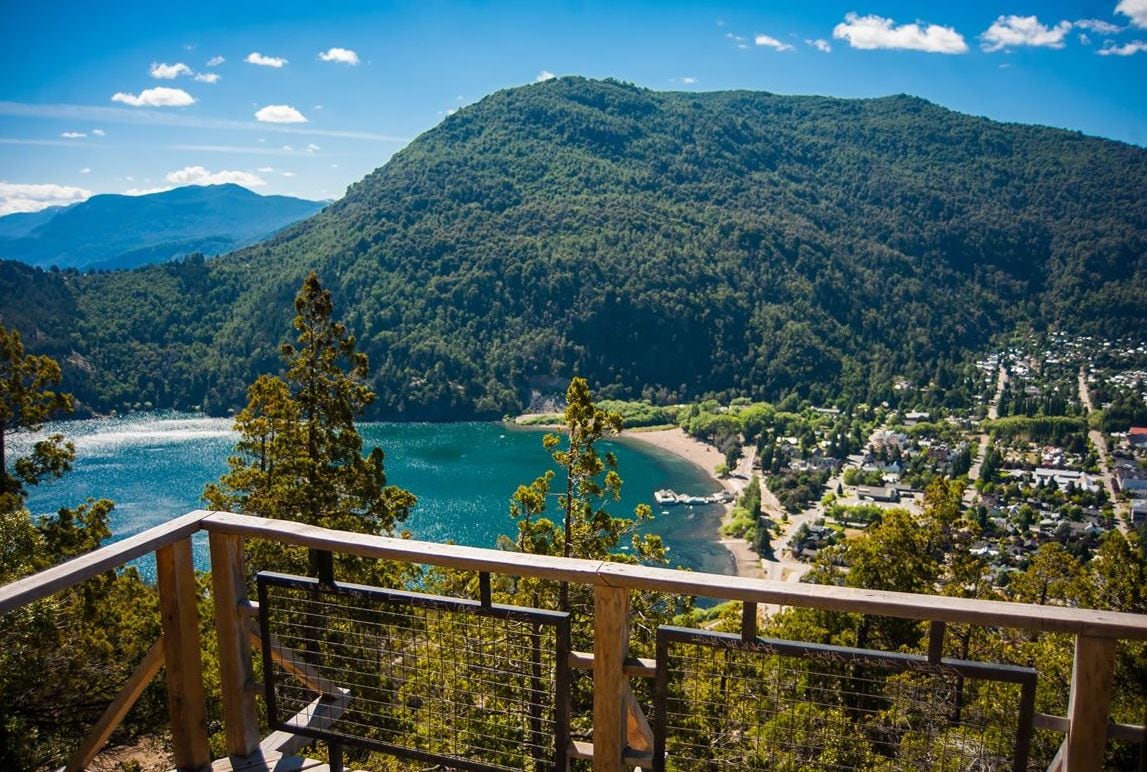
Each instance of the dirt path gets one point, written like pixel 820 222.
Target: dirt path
pixel 747 560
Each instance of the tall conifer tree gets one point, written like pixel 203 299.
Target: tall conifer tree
pixel 587 529
pixel 300 455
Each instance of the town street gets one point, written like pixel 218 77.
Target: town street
pixel 993 414
pixel 1100 444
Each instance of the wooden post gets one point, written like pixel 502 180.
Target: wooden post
pixel 1090 702
pixel 238 677
pixel 610 647
pixel 180 619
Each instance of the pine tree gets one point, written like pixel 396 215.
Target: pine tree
pixel 587 530
pixel 26 402
pixel 300 455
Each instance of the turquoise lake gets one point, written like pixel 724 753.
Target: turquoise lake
pixel 155 466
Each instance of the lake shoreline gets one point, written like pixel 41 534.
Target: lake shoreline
pixel 706 458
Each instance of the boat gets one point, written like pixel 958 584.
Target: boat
pixel 666 497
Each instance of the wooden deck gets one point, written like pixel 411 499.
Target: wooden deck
pixel 270 762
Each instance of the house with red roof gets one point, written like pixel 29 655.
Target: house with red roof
pixel 1137 437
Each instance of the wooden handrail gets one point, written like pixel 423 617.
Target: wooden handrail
pixel 76 570
pixel 987 613
pixel 940 608
pixel 1089 622
pixel 406 550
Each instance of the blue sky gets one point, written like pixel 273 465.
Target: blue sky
pixel 304 98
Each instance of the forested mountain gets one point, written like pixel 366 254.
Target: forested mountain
pixel 112 231
pixel 671 244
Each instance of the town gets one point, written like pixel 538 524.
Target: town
pixel 1052 449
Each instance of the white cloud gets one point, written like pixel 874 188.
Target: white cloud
pixel 1084 39
pixel 265 61
pixel 771 42
pixel 236 149
pixel 1136 10
pixel 740 41
pixel 312 147
pixel 265 169
pixel 17 197
pixel 287 174
pixel 86 170
pixel 99 133
pixel 875 32
pixel 73 135
pixel 544 75
pixel 208 77
pixel 1127 49
pixel 197 175
pixel 1099 25
pixel 38 142
pixel 161 71
pixel 215 61
pixel 820 44
pixel 688 81
pixel 93 113
pixel 1013 31
pixel 156 97
pixel 340 55
pixel 145 191
pixel 280 114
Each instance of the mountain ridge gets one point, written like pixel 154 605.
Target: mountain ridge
pixel 664 244
pixel 112 231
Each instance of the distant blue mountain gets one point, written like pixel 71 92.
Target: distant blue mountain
pixel 113 231
pixel 21 224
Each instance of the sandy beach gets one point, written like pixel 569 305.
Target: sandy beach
pixel 706 457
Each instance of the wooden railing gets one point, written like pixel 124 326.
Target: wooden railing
pixel 1087 725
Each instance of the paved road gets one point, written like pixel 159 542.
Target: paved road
pixel 993 414
pixel 783 567
pixel 1100 443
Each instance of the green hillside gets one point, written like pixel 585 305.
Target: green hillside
pixel 666 244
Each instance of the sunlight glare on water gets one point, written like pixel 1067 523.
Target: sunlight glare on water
pixel 154 466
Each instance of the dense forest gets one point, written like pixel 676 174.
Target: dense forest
pixel 663 245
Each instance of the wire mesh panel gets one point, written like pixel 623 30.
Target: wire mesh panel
pixel 443 680
pixel 727 703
